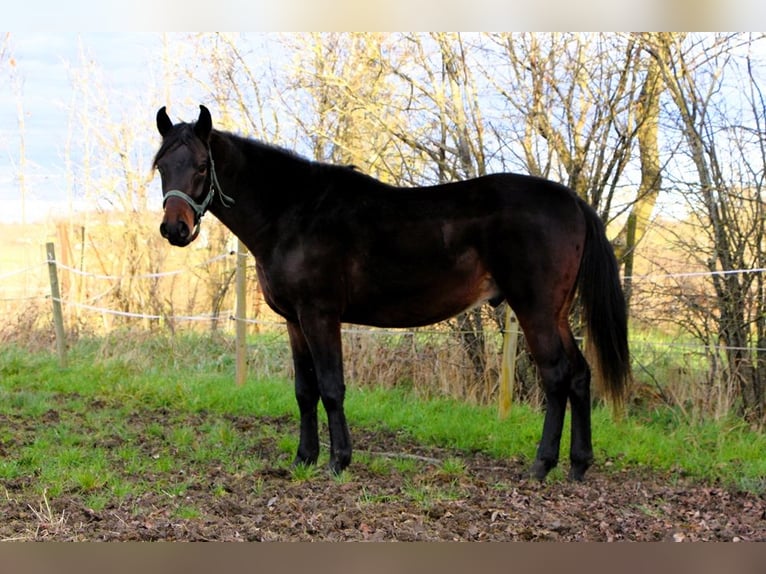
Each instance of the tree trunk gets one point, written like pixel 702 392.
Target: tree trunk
pixel 648 117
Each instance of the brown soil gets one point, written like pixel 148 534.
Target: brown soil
pixel 420 500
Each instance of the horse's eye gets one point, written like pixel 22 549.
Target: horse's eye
pixel 202 168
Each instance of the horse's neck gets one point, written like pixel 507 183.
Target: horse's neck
pixel 244 176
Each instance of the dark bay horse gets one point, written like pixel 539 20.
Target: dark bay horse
pixel 333 245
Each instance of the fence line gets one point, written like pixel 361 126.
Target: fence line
pixel 20 271
pixel 693 347
pixel 507 378
pixel 653 276
pixel 360 330
pixel 136 315
pixel 648 276
pixel 41 295
pixel 347 330
pixel 140 276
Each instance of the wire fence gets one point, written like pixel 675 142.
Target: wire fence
pixel 436 355
pixel 230 315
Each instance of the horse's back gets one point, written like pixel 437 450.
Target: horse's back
pixel 421 255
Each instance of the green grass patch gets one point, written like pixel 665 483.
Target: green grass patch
pixel 73 429
pixel 304 472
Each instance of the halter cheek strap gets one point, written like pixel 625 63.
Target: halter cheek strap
pixel 201 208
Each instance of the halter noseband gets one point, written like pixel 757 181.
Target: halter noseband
pixel 201 208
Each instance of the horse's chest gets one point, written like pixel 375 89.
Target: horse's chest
pixel 274 292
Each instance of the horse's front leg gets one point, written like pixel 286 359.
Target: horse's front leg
pixel 322 335
pixel 307 395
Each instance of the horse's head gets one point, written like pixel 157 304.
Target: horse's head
pixel 188 176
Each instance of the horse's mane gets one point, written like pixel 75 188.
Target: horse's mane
pixel 286 161
pixel 252 153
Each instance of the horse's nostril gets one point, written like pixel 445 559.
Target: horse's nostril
pixel 164 230
pixel 183 230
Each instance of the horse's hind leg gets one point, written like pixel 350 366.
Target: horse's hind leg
pixel 581 450
pixel 553 364
pixel 565 376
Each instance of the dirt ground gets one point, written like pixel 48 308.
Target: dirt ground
pixel 418 500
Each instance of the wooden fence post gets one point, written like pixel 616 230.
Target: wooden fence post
pixel 58 316
pixel 508 367
pixel 241 315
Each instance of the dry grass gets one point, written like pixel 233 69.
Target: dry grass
pixel 45 524
pixel 431 362
pixel 49 524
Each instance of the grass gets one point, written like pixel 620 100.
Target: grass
pixel 84 440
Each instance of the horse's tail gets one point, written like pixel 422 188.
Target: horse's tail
pixel 605 311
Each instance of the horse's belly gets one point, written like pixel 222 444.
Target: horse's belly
pixel 429 304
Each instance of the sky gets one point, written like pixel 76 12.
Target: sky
pixel 125 58
pixel 43 80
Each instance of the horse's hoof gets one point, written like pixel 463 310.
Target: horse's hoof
pixel 576 475
pixel 577 471
pixel 338 465
pixel 304 461
pixel 540 469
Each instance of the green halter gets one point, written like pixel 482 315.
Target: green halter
pixel 201 208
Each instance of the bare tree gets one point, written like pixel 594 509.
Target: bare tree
pixel 17 86
pixel 725 196
pixel 449 132
pixel 639 218
pixel 108 161
pixel 340 94
pixel 574 97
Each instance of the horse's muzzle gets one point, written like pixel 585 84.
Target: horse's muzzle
pixel 178 233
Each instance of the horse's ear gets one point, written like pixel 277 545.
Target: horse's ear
pixel 164 124
pixel 204 124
